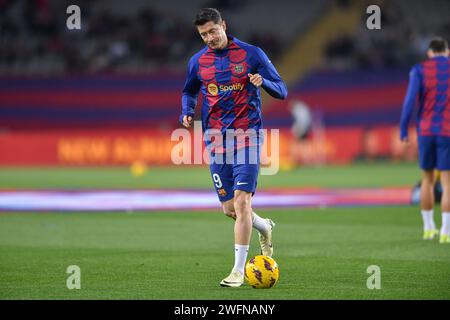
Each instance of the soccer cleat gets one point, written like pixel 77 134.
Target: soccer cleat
pixel 430 234
pixel 235 279
pixel 444 238
pixel 266 241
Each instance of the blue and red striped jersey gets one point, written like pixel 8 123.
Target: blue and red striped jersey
pixel 229 100
pixel 429 86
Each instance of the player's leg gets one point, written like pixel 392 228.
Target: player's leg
pixel 427 161
pixel 222 176
pixel 427 198
pixel 265 237
pixel 243 225
pixel 426 204
pixel 228 208
pixel 443 164
pixel 246 179
pixel 262 225
pixel 445 207
pixel 242 236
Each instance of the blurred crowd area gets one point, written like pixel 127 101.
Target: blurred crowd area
pixel 34 38
pixel 407 26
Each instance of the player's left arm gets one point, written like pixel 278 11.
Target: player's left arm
pixel 268 77
pixel 409 102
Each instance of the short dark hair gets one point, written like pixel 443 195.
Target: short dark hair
pixel 207 14
pixel 438 45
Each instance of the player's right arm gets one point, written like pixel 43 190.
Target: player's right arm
pixel 190 93
pixel 409 102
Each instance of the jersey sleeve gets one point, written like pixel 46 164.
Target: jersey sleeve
pixel 409 102
pixel 190 91
pixel 272 82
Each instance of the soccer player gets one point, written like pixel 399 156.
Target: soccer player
pixel 230 73
pixel 429 83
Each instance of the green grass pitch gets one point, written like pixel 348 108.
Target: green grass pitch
pixel 322 253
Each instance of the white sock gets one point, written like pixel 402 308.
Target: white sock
pixel 445 229
pixel 428 220
pixel 260 224
pixel 240 257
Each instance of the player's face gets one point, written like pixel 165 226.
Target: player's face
pixel 213 34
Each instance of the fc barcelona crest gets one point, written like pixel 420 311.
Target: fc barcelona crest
pixel 238 68
pixel 222 192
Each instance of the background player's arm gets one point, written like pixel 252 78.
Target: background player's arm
pixel 190 94
pixel 271 80
pixel 409 103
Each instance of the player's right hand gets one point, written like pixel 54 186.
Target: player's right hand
pixel 187 121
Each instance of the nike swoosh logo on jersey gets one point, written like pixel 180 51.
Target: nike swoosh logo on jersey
pixel 241 183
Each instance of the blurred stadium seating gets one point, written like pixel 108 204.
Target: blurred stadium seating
pixel 133 36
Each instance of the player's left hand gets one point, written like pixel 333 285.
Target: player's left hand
pixel 255 79
pixel 405 141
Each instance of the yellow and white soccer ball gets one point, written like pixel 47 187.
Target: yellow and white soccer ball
pixel 262 272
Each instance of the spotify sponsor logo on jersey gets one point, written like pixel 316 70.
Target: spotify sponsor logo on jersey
pixel 213 89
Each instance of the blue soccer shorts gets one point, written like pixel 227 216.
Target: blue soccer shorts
pixel 235 173
pixel 434 152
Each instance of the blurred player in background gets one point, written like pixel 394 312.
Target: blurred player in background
pixel 229 74
pixel 302 125
pixel 429 82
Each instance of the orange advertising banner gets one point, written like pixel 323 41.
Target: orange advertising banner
pixel 165 147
